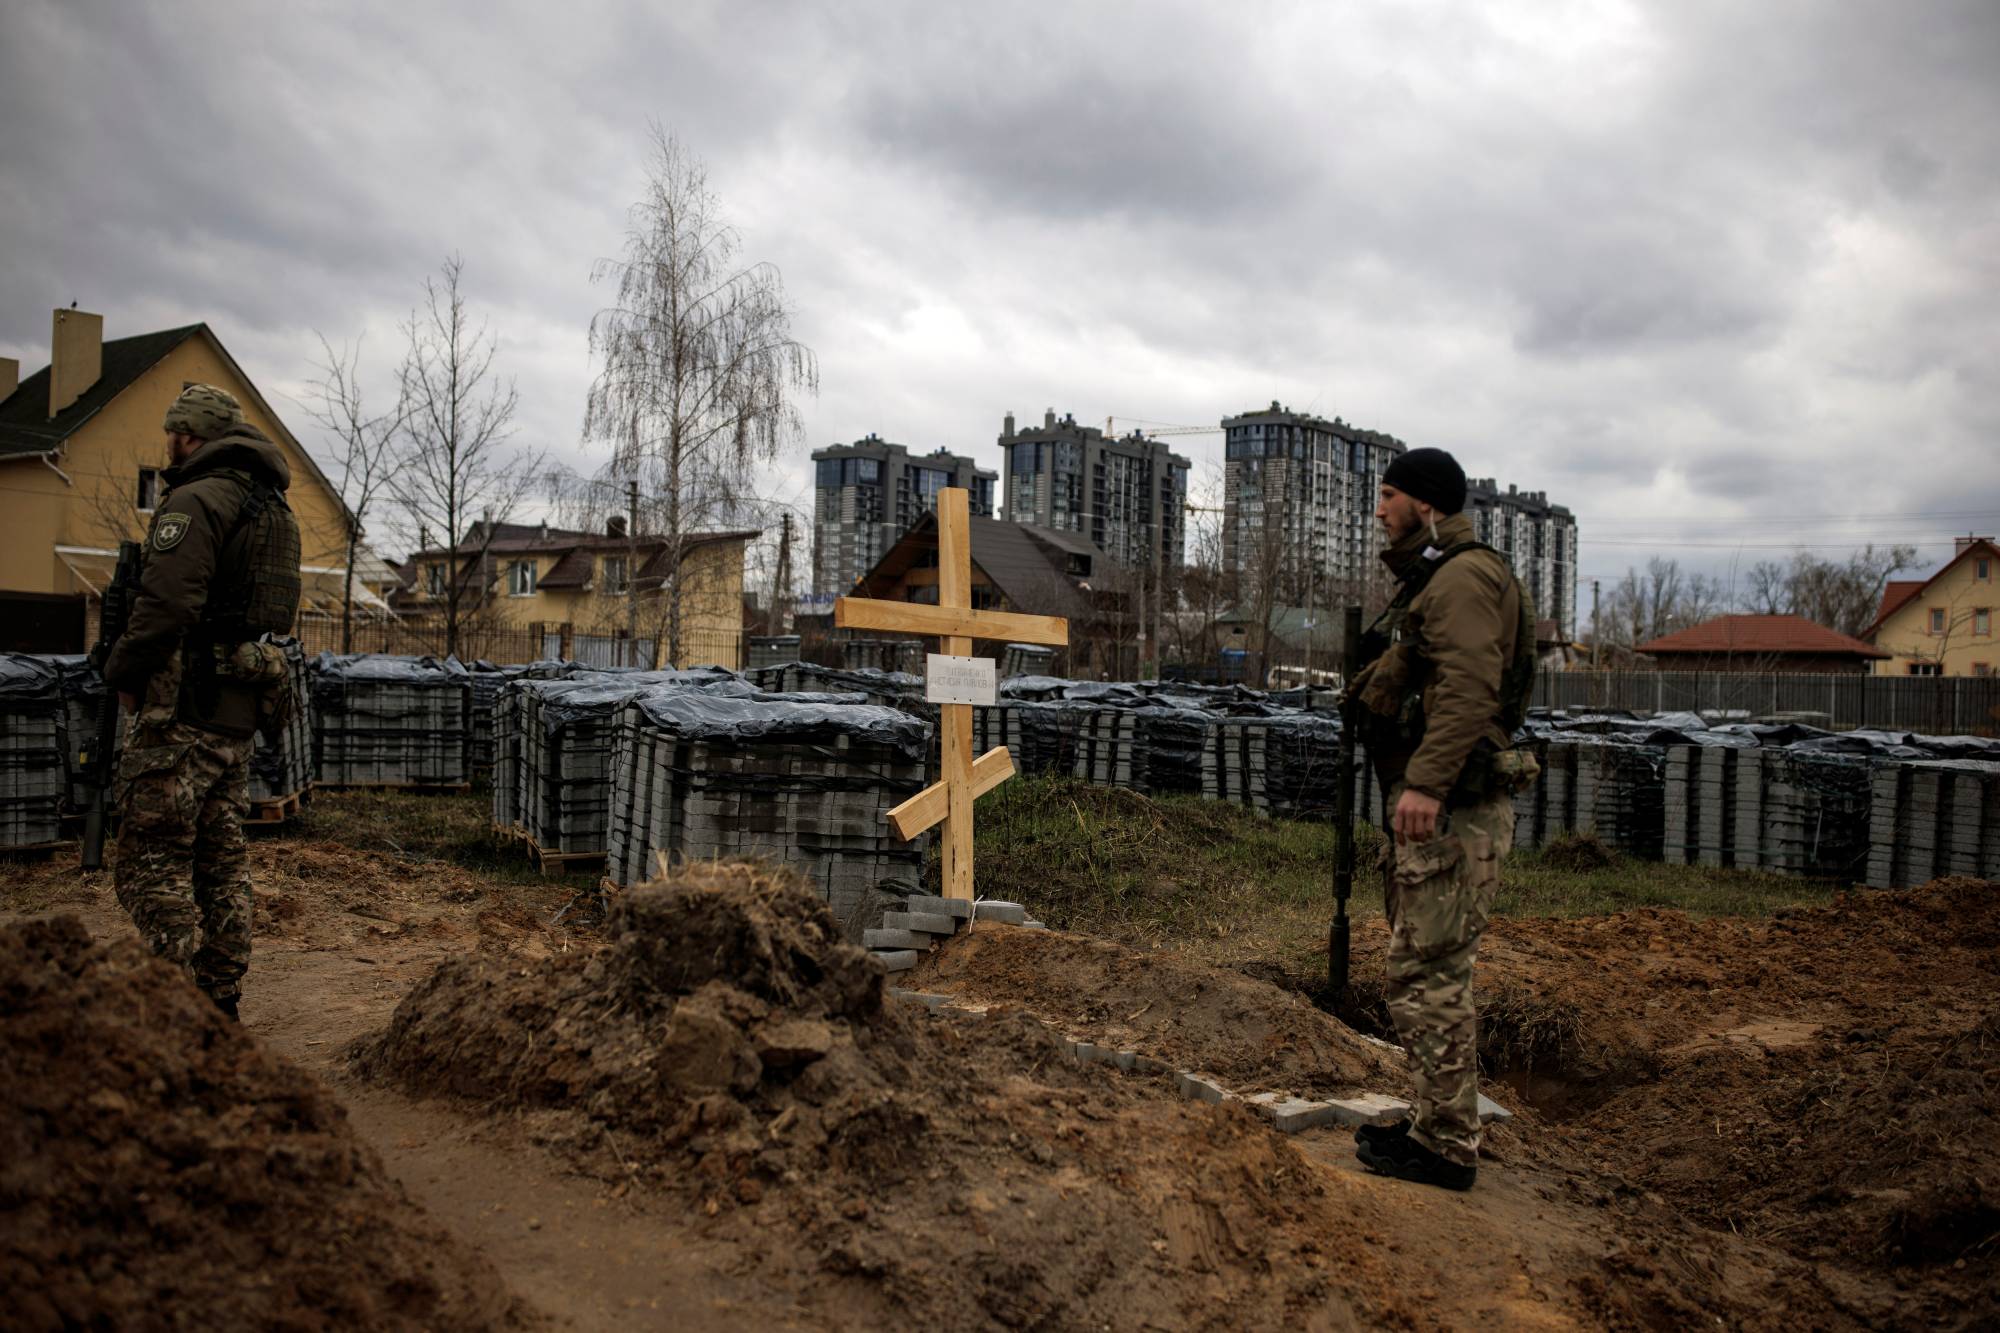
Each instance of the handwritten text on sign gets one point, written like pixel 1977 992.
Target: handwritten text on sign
pixel 959 680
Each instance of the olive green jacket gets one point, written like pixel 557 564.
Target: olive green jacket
pixel 1460 631
pixel 184 548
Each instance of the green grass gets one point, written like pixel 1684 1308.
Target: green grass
pixel 423 826
pixel 1227 882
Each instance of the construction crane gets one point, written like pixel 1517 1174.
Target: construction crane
pixel 1111 430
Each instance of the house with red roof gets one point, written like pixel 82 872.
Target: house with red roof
pixel 1942 625
pixel 1762 643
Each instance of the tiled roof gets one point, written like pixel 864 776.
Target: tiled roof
pixel 25 424
pixel 1911 589
pixel 1759 634
pixel 1896 596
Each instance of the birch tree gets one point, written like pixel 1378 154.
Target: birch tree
pixel 457 419
pixel 363 453
pixel 698 370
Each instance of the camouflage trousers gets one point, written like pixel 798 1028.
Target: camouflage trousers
pixel 1438 895
pixel 183 871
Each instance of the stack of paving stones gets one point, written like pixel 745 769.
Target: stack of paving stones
pixel 283 765
pixel 1279 764
pixel 1026 659
pixel 803 781
pixel 893 655
pixel 554 742
pixel 487 682
pixel 1934 817
pixel 890 689
pixel 772 650
pixel 919 922
pixel 34 737
pixel 387 721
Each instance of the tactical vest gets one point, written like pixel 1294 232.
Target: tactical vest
pixel 1517 677
pixel 257 587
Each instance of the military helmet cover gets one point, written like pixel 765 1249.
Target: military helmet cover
pixel 205 411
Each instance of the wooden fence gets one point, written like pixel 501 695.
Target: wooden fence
pixel 1933 705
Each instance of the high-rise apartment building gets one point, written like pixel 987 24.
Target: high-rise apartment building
pixel 1538 538
pixel 1299 510
pixel 1127 495
pixel 866 494
pixel 1298 501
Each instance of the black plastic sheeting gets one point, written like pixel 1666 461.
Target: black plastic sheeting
pixel 726 715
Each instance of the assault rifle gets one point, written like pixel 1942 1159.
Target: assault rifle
pixel 1343 812
pixel 99 759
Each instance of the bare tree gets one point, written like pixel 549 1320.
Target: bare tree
pixel 699 368
pixel 363 450
pixel 457 418
pixel 1764 589
pixel 1844 595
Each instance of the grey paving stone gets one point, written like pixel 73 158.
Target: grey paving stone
pixel 1368 1109
pixel 1012 914
pixel 1033 925
pixel 1490 1110
pixel 958 909
pixel 1199 1089
pixel 928 999
pixel 894 939
pixel 895 960
pixel 931 923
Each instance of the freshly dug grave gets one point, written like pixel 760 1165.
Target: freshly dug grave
pixel 1254 1036
pixel 1827 1080
pixel 158 1167
pixel 728 1048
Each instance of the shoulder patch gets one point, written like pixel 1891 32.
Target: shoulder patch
pixel 168 531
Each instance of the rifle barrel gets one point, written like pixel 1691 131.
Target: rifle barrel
pixel 1338 935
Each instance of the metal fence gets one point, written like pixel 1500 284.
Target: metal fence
pixel 1935 705
pixel 505 645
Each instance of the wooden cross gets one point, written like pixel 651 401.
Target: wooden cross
pixel 955 624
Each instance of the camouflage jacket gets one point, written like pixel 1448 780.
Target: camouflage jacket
pixel 192 525
pixel 1447 652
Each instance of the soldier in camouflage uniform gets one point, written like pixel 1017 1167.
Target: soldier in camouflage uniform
pixel 1451 666
pixel 221 568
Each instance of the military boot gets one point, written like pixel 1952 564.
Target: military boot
pixel 1382 1133
pixel 1406 1159
pixel 227 1004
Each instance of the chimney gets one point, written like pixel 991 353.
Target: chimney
pixel 10 377
pixel 1962 544
pixel 1049 419
pixel 76 357
pixel 615 526
pixel 1007 427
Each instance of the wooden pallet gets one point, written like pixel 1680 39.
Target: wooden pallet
pixel 34 848
pixel 277 809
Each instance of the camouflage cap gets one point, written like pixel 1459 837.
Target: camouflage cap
pixel 204 411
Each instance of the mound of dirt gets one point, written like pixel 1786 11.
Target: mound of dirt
pixel 727 1046
pixel 1827 1080
pixel 1248 1032
pixel 157 1167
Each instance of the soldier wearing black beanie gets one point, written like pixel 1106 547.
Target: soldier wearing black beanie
pixel 1430 475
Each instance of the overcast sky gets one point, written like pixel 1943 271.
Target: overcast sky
pixel 1719 277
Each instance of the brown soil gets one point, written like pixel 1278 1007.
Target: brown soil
pixel 1251 1035
pixel 707 1117
pixel 158 1165
pixel 1827 1080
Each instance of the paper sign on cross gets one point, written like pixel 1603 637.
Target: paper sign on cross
pixel 955 624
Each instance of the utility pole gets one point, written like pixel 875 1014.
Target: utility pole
pixel 1596 632
pixel 781 578
pixel 632 567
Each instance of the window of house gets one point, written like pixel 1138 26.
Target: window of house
pixel 1937 620
pixel 521 578
pixel 149 489
pixel 1926 669
pixel 1982 668
pixel 434 580
pixel 1982 568
pixel 614 574
pixel 1982 621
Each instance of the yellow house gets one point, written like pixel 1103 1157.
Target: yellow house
pixel 81 452
pixel 591 597
pixel 1943 625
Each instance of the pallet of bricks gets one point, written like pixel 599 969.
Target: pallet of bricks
pixel 1610 787
pixel 1934 817
pixel 704 773
pixel 34 737
pixel 387 721
pixel 553 747
pixel 281 762
pixel 1790 809
pixel 488 679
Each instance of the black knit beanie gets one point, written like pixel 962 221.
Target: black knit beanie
pixel 1430 475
